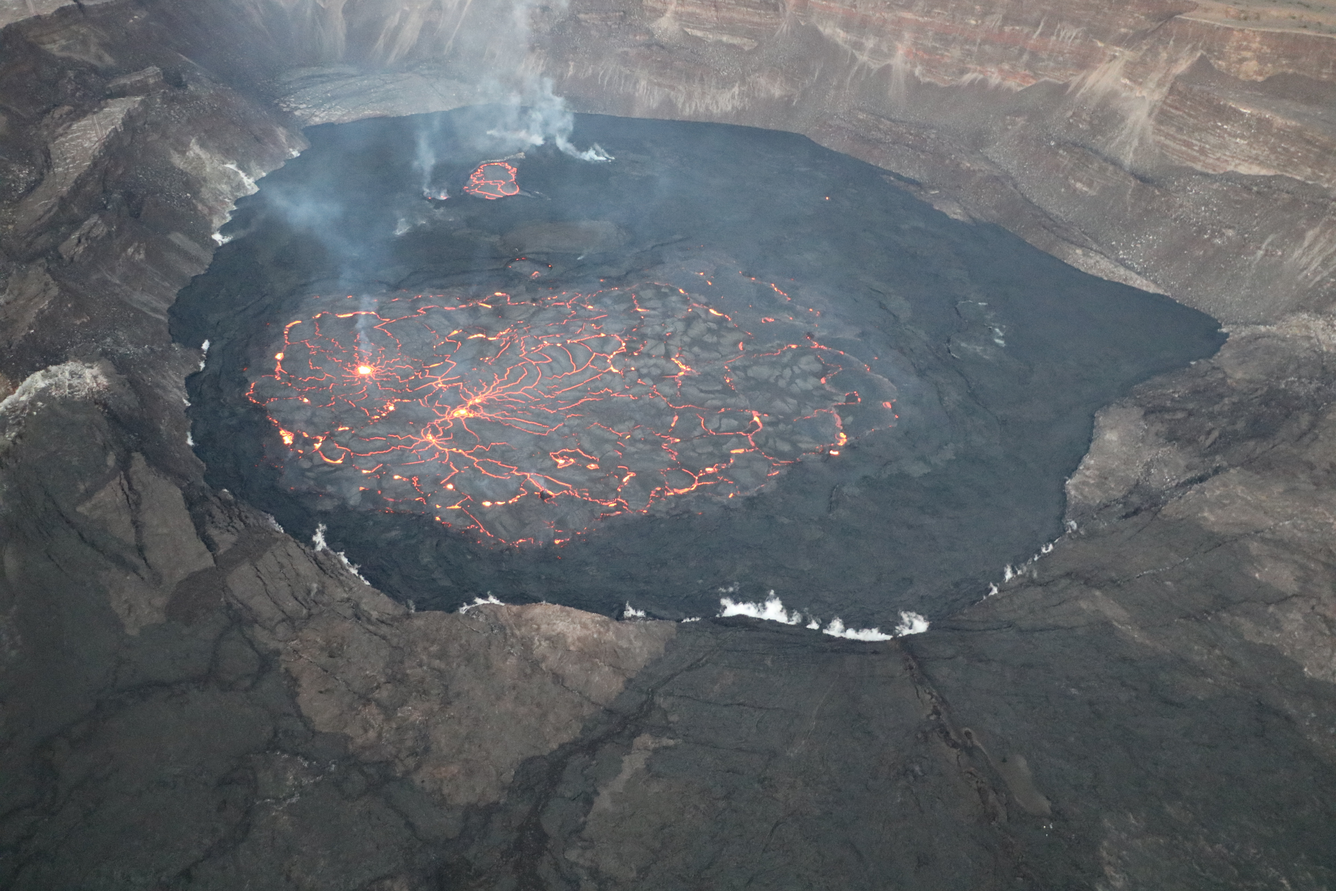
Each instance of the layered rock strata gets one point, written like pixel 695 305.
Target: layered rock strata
pixel 1169 144
pixel 1140 143
pixel 193 699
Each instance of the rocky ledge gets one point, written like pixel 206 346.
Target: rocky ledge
pixel 191 698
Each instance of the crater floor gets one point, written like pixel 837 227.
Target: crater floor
pixel 725 361
pixel 192 698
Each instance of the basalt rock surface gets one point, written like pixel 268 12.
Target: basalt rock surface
pixel 191 698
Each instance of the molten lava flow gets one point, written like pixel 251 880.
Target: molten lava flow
pixel 529 419
pixel 492 180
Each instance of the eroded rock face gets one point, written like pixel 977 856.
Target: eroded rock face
pixel 191 698
pixel 1166 144
pixel 1163 143
pixel 1123 140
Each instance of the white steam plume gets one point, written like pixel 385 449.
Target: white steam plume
pixel 530 113
pixel 773 611
pixel 539 115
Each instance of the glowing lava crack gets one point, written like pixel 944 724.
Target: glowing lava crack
pixel 493 180
pixel 530 419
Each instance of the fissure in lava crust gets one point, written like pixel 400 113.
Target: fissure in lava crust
pixel 493 180
pixel 528 419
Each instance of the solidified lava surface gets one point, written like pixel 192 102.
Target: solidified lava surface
pixel 492 180
pixel 526 420
pixel 727 362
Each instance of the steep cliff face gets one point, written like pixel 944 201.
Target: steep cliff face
pixel 1179 146
pixel 191 698
pixel 1134 141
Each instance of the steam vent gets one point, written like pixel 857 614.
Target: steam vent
pixel 475 444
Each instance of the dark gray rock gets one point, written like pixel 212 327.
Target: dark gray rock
pixel 750 756
pixel 582 237
pixel 1148 705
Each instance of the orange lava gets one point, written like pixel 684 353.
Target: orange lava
pixel 493 180
pixel 529 419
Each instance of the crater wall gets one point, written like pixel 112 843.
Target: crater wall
pixel 1182 147
pixel 192 698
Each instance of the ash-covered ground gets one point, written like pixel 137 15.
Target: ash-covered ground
pixel 891 427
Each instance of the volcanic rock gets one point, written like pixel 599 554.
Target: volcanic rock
pixel 580 237
pixel 191 698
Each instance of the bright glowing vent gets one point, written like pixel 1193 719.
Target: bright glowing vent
pixel 527 419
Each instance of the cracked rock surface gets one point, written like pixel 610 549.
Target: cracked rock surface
pixel 190 698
